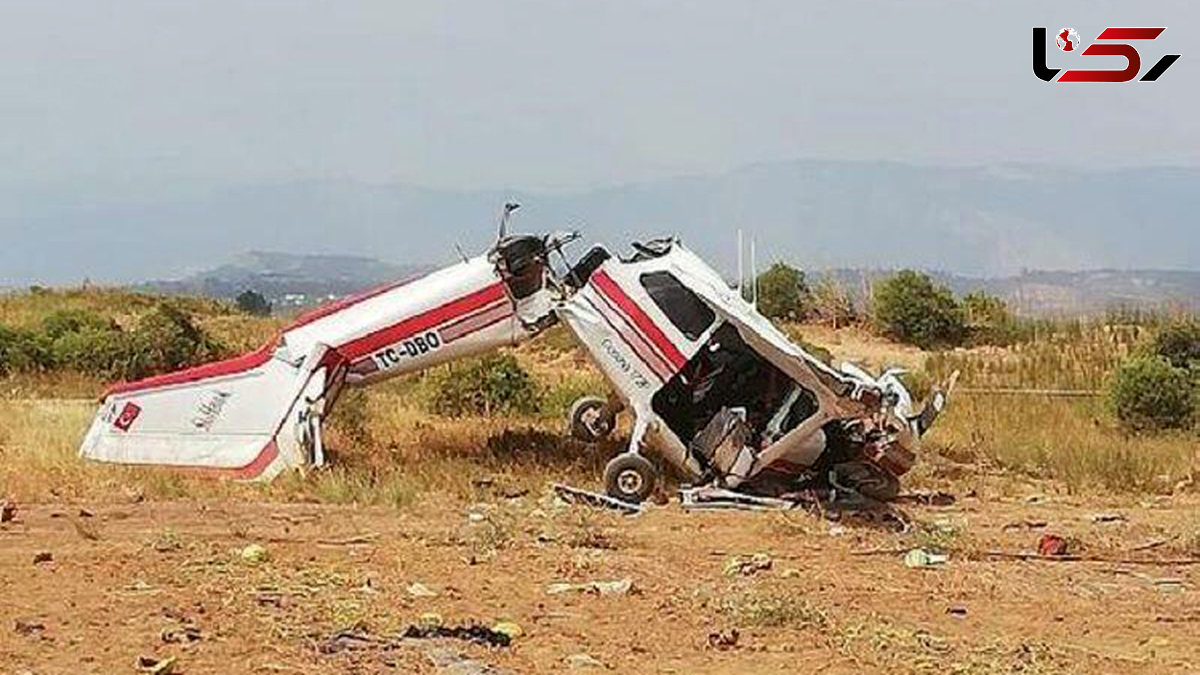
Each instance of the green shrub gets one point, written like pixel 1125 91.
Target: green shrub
pixel 102 352
pixel 1179 343
pixel 493 384
pixel 909 307
pixel 1147 393
pixel 67 321
pixel 22 350
pixel 783 292
pixel 987 319
pixel 167 339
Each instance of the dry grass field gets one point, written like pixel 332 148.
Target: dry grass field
pixel 421 513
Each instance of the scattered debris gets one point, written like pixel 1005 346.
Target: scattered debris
pixel 255 554
pixel 927 498
pixel 8 511
pixel 1025 523
pixel 181 634
pixel 28 627
pixel 919 558
pixel 747 566
pixel 452 663
pixel 167 541
pixel 1052 545
pixel 430 620
pixel 619 587
pixel 1153 543
pixel 1107 518
pixel 42 557
pixel 471 632
pixel 573 495
pixel 353 639
pixel 89 531
pixel 267 598
pixel 85 513
pixel 155 666
pixel 419 590
pixel 510 628
pixel 712 498
pixel 356 540
pixel 957 610
pixel 723 640
pixel 582 660
pixel 1161 584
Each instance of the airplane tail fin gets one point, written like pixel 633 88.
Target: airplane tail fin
pixel 247 418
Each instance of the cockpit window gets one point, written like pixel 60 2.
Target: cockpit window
pixel 691 315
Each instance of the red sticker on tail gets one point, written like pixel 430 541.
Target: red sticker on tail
pixel 128 414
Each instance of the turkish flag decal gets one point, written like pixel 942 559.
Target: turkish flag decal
pixel 128 414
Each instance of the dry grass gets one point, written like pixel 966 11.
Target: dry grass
pixel 389 450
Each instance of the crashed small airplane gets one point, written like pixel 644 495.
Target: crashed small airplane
pixel 716 389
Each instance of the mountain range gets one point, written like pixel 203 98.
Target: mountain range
pixel 291 281
pixel 971 221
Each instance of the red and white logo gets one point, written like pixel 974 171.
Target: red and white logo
pixel 128 415
pixel 1068 40
pixel 1112 41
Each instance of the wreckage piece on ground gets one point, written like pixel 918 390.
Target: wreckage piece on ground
pixel 712 385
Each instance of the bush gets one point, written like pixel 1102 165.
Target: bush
pixel 483 386
pixel 67 321
pixel 253 303
pixel 783 292
pixel 105 353
pixel 1179 343
pixel 1147 393
pixel 909 307
pixel 987 319
pixel 22 350
pixel 166 339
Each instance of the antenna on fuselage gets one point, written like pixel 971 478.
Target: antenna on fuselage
pixel 509 207
pixel 741 272
pixel 753 275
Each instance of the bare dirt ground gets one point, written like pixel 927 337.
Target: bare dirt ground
pixel 168 580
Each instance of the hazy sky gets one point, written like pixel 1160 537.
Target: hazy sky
pixel 129 95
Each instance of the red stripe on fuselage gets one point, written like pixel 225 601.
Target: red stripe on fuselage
pixel 630 336
pixel 406 328
pixel 613 291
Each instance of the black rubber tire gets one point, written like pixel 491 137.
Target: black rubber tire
pixel 591 430
pixel 869 480
pixel 630 478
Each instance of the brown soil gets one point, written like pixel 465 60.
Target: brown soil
pixel 125 581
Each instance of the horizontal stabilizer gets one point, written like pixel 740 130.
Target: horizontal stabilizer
pixel 247 418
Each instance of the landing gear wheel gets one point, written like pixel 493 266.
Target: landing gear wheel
pixel 630 478
pixel 869 480
pixel 590 419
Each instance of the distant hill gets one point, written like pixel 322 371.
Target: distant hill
pixel 970 221
pixel 292 281
pixel 286 279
